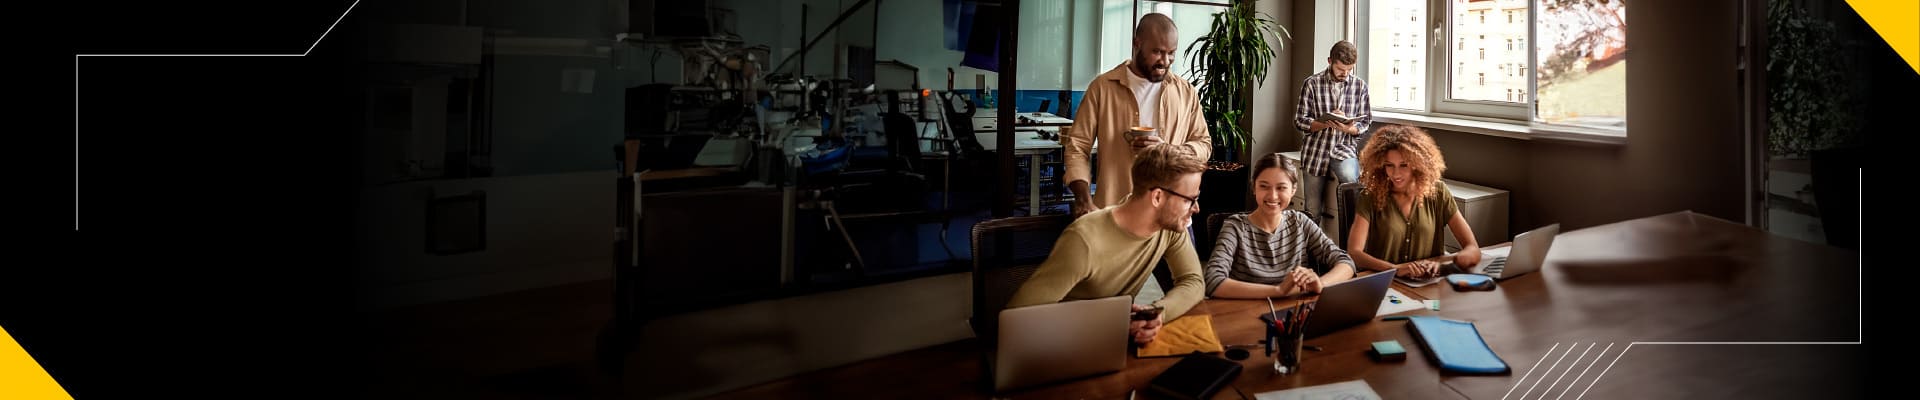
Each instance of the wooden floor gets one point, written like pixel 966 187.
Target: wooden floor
pixel 531 344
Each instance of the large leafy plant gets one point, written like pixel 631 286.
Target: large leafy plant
pixel 1808 104
pixel 1233 55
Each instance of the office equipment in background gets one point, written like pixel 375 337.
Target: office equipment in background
pixel 1348 303
pixel 1196 376
pixel 1455 346
pixel 1052 342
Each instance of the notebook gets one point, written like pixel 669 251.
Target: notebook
pixel 1455 345
pixel 1187 334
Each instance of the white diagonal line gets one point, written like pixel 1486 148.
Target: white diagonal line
pixel 1543 374
pixel 1583 372
pixel 76 94
pixel 1523 377
pixel 1603 372
pixel 1860 333
pixel 1563 374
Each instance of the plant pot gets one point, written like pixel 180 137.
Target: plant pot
pixel 1836 185
pixel 1224 185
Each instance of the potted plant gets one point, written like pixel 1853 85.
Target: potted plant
pixel 1231 58
pixel 1812 125
pixel 1808 105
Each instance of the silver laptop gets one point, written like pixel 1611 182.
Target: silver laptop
pixel 1053 342
pixel 1347 303
pixel 1528 252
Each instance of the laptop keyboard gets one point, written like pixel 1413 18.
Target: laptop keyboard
pixel 1496 265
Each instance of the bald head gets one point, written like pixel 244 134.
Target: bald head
pixel 1153 24
pixel 1155 41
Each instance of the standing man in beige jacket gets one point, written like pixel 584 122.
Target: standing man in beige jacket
pixel 1140 92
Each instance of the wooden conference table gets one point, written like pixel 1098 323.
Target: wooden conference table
pixel 1709 308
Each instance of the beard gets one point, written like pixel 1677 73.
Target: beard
pixel 1153 72
pixel 1172 220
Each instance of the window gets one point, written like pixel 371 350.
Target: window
pixel 1574 74
pixel 1392 20
pixel 1117 18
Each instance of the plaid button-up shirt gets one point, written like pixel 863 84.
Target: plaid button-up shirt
pixel 1320 94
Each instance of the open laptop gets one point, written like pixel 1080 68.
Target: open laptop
pixel 1348 303
pixel 1528 252
pixel 1065 340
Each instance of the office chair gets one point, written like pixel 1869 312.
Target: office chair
pixel 1349 194
pixel 1006 252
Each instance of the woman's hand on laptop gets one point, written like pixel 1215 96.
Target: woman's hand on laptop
pixel 1421 269
pixel 1143 332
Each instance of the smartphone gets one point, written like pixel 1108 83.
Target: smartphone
pixel 1148 314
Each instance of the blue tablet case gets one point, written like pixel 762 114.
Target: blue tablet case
pixel 1456 346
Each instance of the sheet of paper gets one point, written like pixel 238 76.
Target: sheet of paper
pixel 1389 306
pixel 1349 390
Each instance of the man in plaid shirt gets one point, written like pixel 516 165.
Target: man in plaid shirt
pixel 1330 145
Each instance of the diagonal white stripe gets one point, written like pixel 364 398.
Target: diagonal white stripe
pixel 76 94
pixel 1583 372
pixel 1543 374
pixel 1603 373
pixel 1523 377
pixel 1563 374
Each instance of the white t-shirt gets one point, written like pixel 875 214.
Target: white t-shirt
pixel 1147 94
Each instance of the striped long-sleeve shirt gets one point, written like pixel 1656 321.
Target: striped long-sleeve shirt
pixel 1319 94
pixel 1247 253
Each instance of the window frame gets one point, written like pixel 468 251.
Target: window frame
pixel 1440 102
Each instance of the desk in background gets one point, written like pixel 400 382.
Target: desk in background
pixel 1028 142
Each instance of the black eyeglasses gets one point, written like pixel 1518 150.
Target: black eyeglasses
pixel 1195 200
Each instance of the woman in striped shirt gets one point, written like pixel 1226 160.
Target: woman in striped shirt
pixel 1273 251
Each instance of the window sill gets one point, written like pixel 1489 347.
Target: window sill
pixel 1505 129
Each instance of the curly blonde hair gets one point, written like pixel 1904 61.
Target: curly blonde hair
pixel 1421 153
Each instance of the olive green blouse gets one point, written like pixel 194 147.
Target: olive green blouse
pixel 1397 238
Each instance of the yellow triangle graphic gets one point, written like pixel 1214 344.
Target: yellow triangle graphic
pixel 21 377
pixel 1897 22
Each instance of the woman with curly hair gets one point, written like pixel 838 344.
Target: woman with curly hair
pixel 1404 206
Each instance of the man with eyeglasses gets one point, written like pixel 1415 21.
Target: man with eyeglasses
pixel 1112 251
